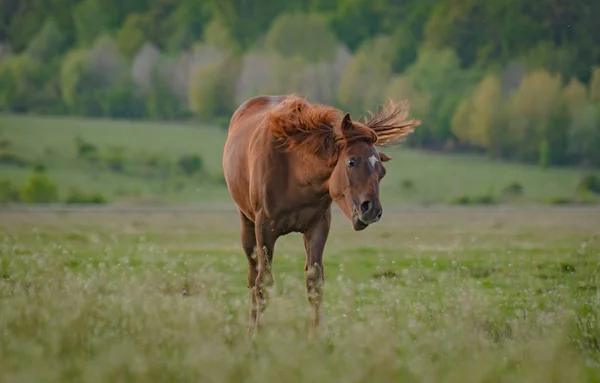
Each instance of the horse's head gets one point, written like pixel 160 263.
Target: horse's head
pixel 346 148
pixel 354 183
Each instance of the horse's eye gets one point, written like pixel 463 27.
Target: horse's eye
pixel 351 162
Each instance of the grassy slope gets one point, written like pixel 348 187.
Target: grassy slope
pixel 481 296
pixel 437 178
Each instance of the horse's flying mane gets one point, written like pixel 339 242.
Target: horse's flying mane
pixel 390 123
pixel 298 124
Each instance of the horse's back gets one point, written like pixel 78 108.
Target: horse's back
pixel 245 121
pixel 253 107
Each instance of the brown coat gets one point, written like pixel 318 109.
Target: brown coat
pixel 285 161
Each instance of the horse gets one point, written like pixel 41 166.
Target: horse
pixel 285 161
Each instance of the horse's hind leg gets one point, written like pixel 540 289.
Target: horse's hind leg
pixel 265 240
pixel 249 245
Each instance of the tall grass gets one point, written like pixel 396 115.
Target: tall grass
pixel 66 315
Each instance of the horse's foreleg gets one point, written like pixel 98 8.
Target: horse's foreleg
pixel 265 240
pixel 314 243
pixel 249 245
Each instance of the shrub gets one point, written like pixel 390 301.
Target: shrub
pixel 589 183
pixel 152 164
pixel 513 189
pixel 5 143
pixel 8 158
pixel 39 167
pixel 8 191
pixel 482 199
pixel 190 164
pixel 407 184
pixel 39 189
pixel 115 160
pixel 560 200
pixel 460 200
pixel 77 196
pixel 86 150
pixel 155 165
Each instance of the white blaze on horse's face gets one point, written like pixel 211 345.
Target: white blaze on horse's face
pixel 374 159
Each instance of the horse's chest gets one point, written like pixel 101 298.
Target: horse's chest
pixel 297 221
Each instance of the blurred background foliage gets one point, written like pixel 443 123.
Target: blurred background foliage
pixel 513 79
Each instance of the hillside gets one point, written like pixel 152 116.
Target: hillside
pixel 148 154
pixel 518 80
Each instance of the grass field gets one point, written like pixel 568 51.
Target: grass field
pixel 414 177
pixel 426 295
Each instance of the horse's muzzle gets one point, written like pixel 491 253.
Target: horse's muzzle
pixel 363 217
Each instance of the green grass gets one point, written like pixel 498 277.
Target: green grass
pixel 436 178
pixel 455 295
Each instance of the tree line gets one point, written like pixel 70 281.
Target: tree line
pixel 516 79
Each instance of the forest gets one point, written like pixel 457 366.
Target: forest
pixel 516 79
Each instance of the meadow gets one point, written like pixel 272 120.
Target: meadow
pixel 426 295
pixel 148 172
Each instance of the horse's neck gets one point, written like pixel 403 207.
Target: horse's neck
pixel 310 172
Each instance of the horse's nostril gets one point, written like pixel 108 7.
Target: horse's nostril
pixel 365 207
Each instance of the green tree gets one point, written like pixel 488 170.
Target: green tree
pixel 186 24
pixel 19 81
pixel 212 87
pixel 97 81
pixel 304 34
pixel 160 98
pixel 583 130
pixel 401 88
pixel 477 119
pixel 48 43
pixel 366 77
pixel 595 85
pixel 90 22
pixel 219 36
pixel 132 35
pixel 536 117
pixel 248 20
pixel 355 22
pixel 437 74
pixel 546 55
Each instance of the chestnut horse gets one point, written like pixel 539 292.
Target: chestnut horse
pixel 285 161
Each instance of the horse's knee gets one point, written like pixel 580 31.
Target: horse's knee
pixel 314 283
pixel 315 273
pixel 265 278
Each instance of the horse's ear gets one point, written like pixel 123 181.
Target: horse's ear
pixel 384 157
pixel 347 123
